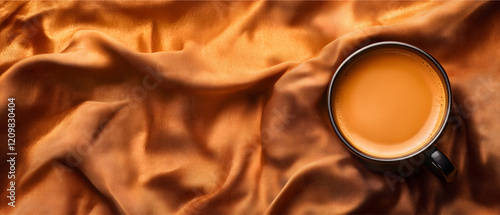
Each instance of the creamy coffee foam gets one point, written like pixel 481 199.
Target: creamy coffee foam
pixel 389 102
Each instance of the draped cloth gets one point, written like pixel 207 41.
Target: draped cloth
pixel 220 107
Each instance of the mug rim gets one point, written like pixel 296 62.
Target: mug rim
pixel 361 51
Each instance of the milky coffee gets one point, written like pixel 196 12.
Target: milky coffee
pixel 389 102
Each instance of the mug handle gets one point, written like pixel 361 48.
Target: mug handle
pixel 439 164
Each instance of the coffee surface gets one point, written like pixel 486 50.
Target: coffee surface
pixel 389 102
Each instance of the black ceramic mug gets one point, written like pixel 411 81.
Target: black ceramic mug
pixel 427 153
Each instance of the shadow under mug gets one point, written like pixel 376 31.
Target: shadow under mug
pixel 429 154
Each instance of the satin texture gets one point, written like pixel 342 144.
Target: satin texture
pixel 220 107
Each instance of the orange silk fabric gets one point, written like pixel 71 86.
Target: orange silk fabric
pixel 220 107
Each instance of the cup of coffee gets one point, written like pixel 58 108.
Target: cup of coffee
pixel 389 102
